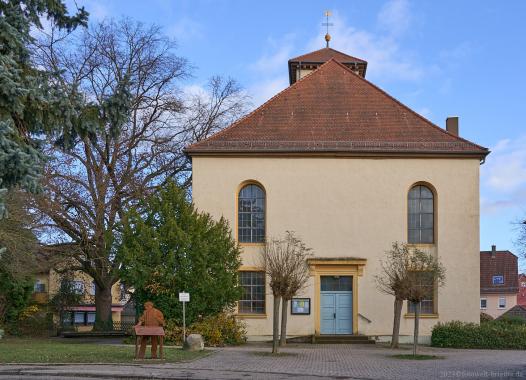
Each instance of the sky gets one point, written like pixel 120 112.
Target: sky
pixel 441 58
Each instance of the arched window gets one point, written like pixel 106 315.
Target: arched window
pixel 420 215
pixel 251 214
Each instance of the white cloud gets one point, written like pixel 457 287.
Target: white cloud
pixel 506 166
pixel 386 60
pixel 271 69
pixel 425 112
pixel 194 90
pixel 275 60
pixel 263 90
pixel 395 17
pixel 186 29
pixel 97 11
pixel 503 177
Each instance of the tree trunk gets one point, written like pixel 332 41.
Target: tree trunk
pixel 398 303
pixel 284 310
pixel 417 320
pixel 275 325
pixel 103 318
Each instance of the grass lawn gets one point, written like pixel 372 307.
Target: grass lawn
pixel 59 351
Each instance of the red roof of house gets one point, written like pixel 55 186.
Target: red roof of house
pixel 325 54
pixel 335 111
pixel 521 296
pixel 503 263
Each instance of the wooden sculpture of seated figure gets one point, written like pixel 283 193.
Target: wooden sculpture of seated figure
pixel 151 317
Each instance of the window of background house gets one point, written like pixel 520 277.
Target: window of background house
pixel 78 286
pixel 79 317
pixel 502 302
pixel 123 294
pixel 498 280
pixel 253 299
pixel 251 214
pixel 420 215
pixel 91 318
pixel 40 287
pixel 483 303
pixel 92 288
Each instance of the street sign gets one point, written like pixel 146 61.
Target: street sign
pixel 184 297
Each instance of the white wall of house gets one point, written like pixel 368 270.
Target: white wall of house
pixel 497 304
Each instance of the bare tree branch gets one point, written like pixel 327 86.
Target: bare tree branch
pixel 90 186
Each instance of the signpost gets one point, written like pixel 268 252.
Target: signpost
pixel 184 298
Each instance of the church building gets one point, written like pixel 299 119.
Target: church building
pixel 350 170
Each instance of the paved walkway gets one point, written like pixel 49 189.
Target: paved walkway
pixel 300 362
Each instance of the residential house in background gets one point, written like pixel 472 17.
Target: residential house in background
pixel 498 281
pixel 521 296
pixel 351 170
pixel 81 317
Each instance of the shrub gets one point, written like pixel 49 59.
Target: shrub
pixel 33 322
pixel 512 320
pixel 485 317
pixel 218 330
pixel 490 335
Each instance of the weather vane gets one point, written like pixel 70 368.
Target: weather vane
pixel 327 24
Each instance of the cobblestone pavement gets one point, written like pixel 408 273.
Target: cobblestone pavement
pixel 300 362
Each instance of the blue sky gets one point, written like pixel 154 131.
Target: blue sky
pixel 441 58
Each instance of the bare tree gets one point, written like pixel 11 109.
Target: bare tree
pixel 90 186
pixel 393 280
pixel 521 239
pixel 408 274
pixel 285 263
pixel 425 273
pixel 297 276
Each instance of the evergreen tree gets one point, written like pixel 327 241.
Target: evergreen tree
pixel 18 262
pixel 170 247
pixel 30 106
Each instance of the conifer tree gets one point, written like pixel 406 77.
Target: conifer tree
pixel 169 247
pixel 30 106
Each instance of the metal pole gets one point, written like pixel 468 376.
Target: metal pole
pixel 184 323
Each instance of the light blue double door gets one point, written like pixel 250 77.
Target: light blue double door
pixel 336 305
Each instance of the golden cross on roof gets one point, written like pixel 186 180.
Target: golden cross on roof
pixel 327 24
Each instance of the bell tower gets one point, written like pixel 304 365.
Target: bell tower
pixel 307 63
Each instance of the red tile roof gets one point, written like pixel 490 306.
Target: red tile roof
pixel 503 264
pixel 324 55
pixel 335 111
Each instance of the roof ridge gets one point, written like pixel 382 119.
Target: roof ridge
pixel 248 115
pixel 298 58
pixel 403 105
pixel 504 251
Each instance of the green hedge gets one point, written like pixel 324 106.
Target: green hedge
pixel 498 334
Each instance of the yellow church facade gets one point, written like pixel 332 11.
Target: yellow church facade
pixel 350 170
